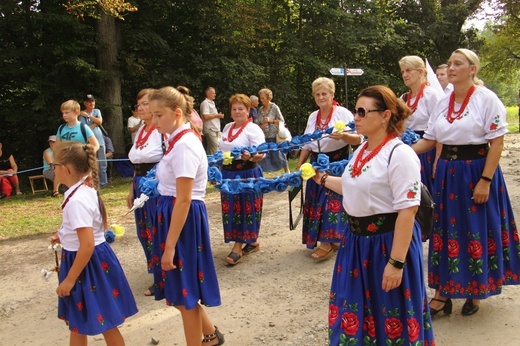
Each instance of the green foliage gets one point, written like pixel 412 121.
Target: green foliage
pixel 48 55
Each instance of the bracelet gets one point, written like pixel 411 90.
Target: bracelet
pixel 396 263
pixel 483 177
pixel 323 179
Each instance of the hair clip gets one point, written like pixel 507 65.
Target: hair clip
pixel 85 147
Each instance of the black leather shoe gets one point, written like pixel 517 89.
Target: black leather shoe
pixel 445 308
pixel 2 196
pixel 469 308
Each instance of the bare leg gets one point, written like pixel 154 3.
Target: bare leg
pixel 78 339
pixel 192 323
pixel 113 337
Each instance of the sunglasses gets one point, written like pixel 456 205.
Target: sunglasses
pixel 54 165
pixel 362 112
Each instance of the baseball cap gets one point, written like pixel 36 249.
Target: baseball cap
pixel 52 138
pixel 89 97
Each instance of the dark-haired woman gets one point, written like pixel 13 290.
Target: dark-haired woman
pixel 378 295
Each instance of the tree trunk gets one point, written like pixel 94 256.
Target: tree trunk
pixel 109 45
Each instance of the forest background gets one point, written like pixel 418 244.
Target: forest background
pixel 52 51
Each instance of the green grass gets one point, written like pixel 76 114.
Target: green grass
pixel 512 118
pixel 40 213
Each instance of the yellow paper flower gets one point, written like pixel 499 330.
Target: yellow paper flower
pixel 119 230
pixel 339 126
pixel 307 171
pixel 227 158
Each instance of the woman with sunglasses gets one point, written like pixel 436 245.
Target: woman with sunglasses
pixel 378 295
pixel 324 220
pixel 474 248
pixel 421 99
pixel 146 151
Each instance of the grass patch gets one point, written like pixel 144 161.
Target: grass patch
pixel 29 214
pixel 512 118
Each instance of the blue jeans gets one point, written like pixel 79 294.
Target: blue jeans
pixel 102 166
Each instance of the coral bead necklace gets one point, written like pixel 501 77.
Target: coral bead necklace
pixel 143 136
pixel 360 162
pixel 231 137
pixel 452 113
pixel 322 124
pixel 419 96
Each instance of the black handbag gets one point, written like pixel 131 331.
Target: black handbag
pixel 424 215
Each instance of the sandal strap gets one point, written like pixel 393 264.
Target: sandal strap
pixel 440 300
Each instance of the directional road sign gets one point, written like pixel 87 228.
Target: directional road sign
pixel 338 71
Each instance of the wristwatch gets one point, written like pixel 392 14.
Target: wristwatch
pixel 397 264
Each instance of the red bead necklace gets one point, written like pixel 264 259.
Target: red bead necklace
pixel 231 137
pixel 452 113
pixel 360 162
pixel 143 136
pixel 419 96
pixel 176 139
pixel 320 124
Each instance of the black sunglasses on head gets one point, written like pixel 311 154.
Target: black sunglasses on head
pixel 362 112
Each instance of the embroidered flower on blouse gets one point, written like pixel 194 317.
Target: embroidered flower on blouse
pixel 413 191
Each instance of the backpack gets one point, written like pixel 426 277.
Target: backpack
pixel 82 127
pixel 424 215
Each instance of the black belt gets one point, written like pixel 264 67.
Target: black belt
pixel 373 224
pixel 336 155
pixel 142 168
pixel 240 165
pixel 420 133
pixel 464 152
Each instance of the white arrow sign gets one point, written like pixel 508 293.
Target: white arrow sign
pixel 354 72
pixel 337 71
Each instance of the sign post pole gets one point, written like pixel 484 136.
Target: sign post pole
pixel 346 85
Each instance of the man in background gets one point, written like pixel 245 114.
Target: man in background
pixel 91 116
pixel 442 75
pixel 211 121
pixel 253 112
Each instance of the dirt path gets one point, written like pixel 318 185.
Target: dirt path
pixel 277 296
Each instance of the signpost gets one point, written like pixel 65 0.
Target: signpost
pixel 340 71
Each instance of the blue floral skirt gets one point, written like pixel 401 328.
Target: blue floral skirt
pixel 195 278
pixel 427 159
pixel 324 218
pixel 101 299
pixel 242 213
pixel 273 160
pixel 474 248
pixel 361 312
pixel 145 222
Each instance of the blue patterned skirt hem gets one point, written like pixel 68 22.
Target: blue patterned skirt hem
pixel 474 248
pixel 195 278
pixel 324 218
pixel 242 213
pixel 101 298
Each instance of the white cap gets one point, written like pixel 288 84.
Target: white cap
pixel 52 138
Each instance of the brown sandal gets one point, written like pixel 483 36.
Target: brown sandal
pixel 321 254
pixel 216 335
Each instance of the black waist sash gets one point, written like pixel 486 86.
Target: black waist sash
pixel 464 152
pixel 240 165
pixel 373 224
pixel 142 168
pixel 336 155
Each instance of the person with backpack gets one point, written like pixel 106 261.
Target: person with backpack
pixel 74 130
pixel 378 292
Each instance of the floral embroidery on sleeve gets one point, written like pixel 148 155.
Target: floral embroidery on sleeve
pixel 413 191
pixel 495 123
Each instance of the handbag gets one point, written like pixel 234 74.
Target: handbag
pixel 424 215
pixel 283 134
